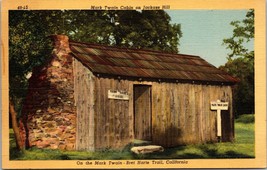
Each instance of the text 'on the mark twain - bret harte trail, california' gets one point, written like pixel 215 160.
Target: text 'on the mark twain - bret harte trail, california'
pixel 130 162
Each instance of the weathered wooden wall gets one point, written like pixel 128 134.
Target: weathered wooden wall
pixel 180 112
pixel 113 118
pixel 84 93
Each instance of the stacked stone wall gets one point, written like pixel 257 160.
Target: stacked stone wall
pixel 49 112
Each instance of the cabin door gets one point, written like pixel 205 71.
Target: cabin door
pixel 142 112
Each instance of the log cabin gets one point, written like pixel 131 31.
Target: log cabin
pixel 91 97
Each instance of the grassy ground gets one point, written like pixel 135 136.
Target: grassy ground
pixel 243 147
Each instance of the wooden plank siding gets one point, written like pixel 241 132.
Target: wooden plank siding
pixel 195 122
pixel 84 94
pixel 113 119
pixel 180 112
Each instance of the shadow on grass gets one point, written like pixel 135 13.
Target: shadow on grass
pixel 232 154
pixel 214 153
pixel 14 153
pixel 202 152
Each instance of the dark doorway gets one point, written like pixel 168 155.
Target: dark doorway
pixel 142 112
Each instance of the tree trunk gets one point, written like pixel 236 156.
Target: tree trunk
pixel 15 127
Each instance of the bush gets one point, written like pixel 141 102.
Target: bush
pixel 246 118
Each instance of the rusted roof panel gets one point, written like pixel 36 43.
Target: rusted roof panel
pixel 147 64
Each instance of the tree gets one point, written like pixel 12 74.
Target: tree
pixel 146 29
pixel 241 63
pixel 29 45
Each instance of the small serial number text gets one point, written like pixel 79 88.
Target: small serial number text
pixel 23 7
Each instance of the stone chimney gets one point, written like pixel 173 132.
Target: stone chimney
pixel 61 45
pixel 49 111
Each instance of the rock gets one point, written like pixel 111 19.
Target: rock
pixel 66 135
pixel 61 146
pixel 68 109
pixel 70 147
pixel 53 146
pixel 53 141
pixel 48 118
pixel 50 124
pixel 147 149
pixel 55 63
pixel 66 119
pixel 47 135
pixel 71 117
pixel 42 144
pixel 71 140
pixel 50 110
pixel 54 132
pixel 38 111
pixel 39 135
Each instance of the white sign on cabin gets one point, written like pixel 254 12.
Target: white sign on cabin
pixel 218 105
pixel 116 94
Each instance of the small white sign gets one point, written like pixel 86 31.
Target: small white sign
pixel 120 95
pixel 219 105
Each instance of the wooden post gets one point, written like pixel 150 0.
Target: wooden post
pixel 218 105
pixel 219 123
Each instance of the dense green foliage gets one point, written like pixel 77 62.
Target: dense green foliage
pixel 29 45
pixel 243 147
pixel 241 63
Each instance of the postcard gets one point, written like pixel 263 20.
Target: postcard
pixel 129 84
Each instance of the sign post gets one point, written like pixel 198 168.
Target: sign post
pixel 218 105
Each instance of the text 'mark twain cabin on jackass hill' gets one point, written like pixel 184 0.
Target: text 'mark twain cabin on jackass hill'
pixel 90 97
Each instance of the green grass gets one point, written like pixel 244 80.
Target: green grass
pixel 242 147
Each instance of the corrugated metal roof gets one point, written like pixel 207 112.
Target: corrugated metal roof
pixel 147 64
